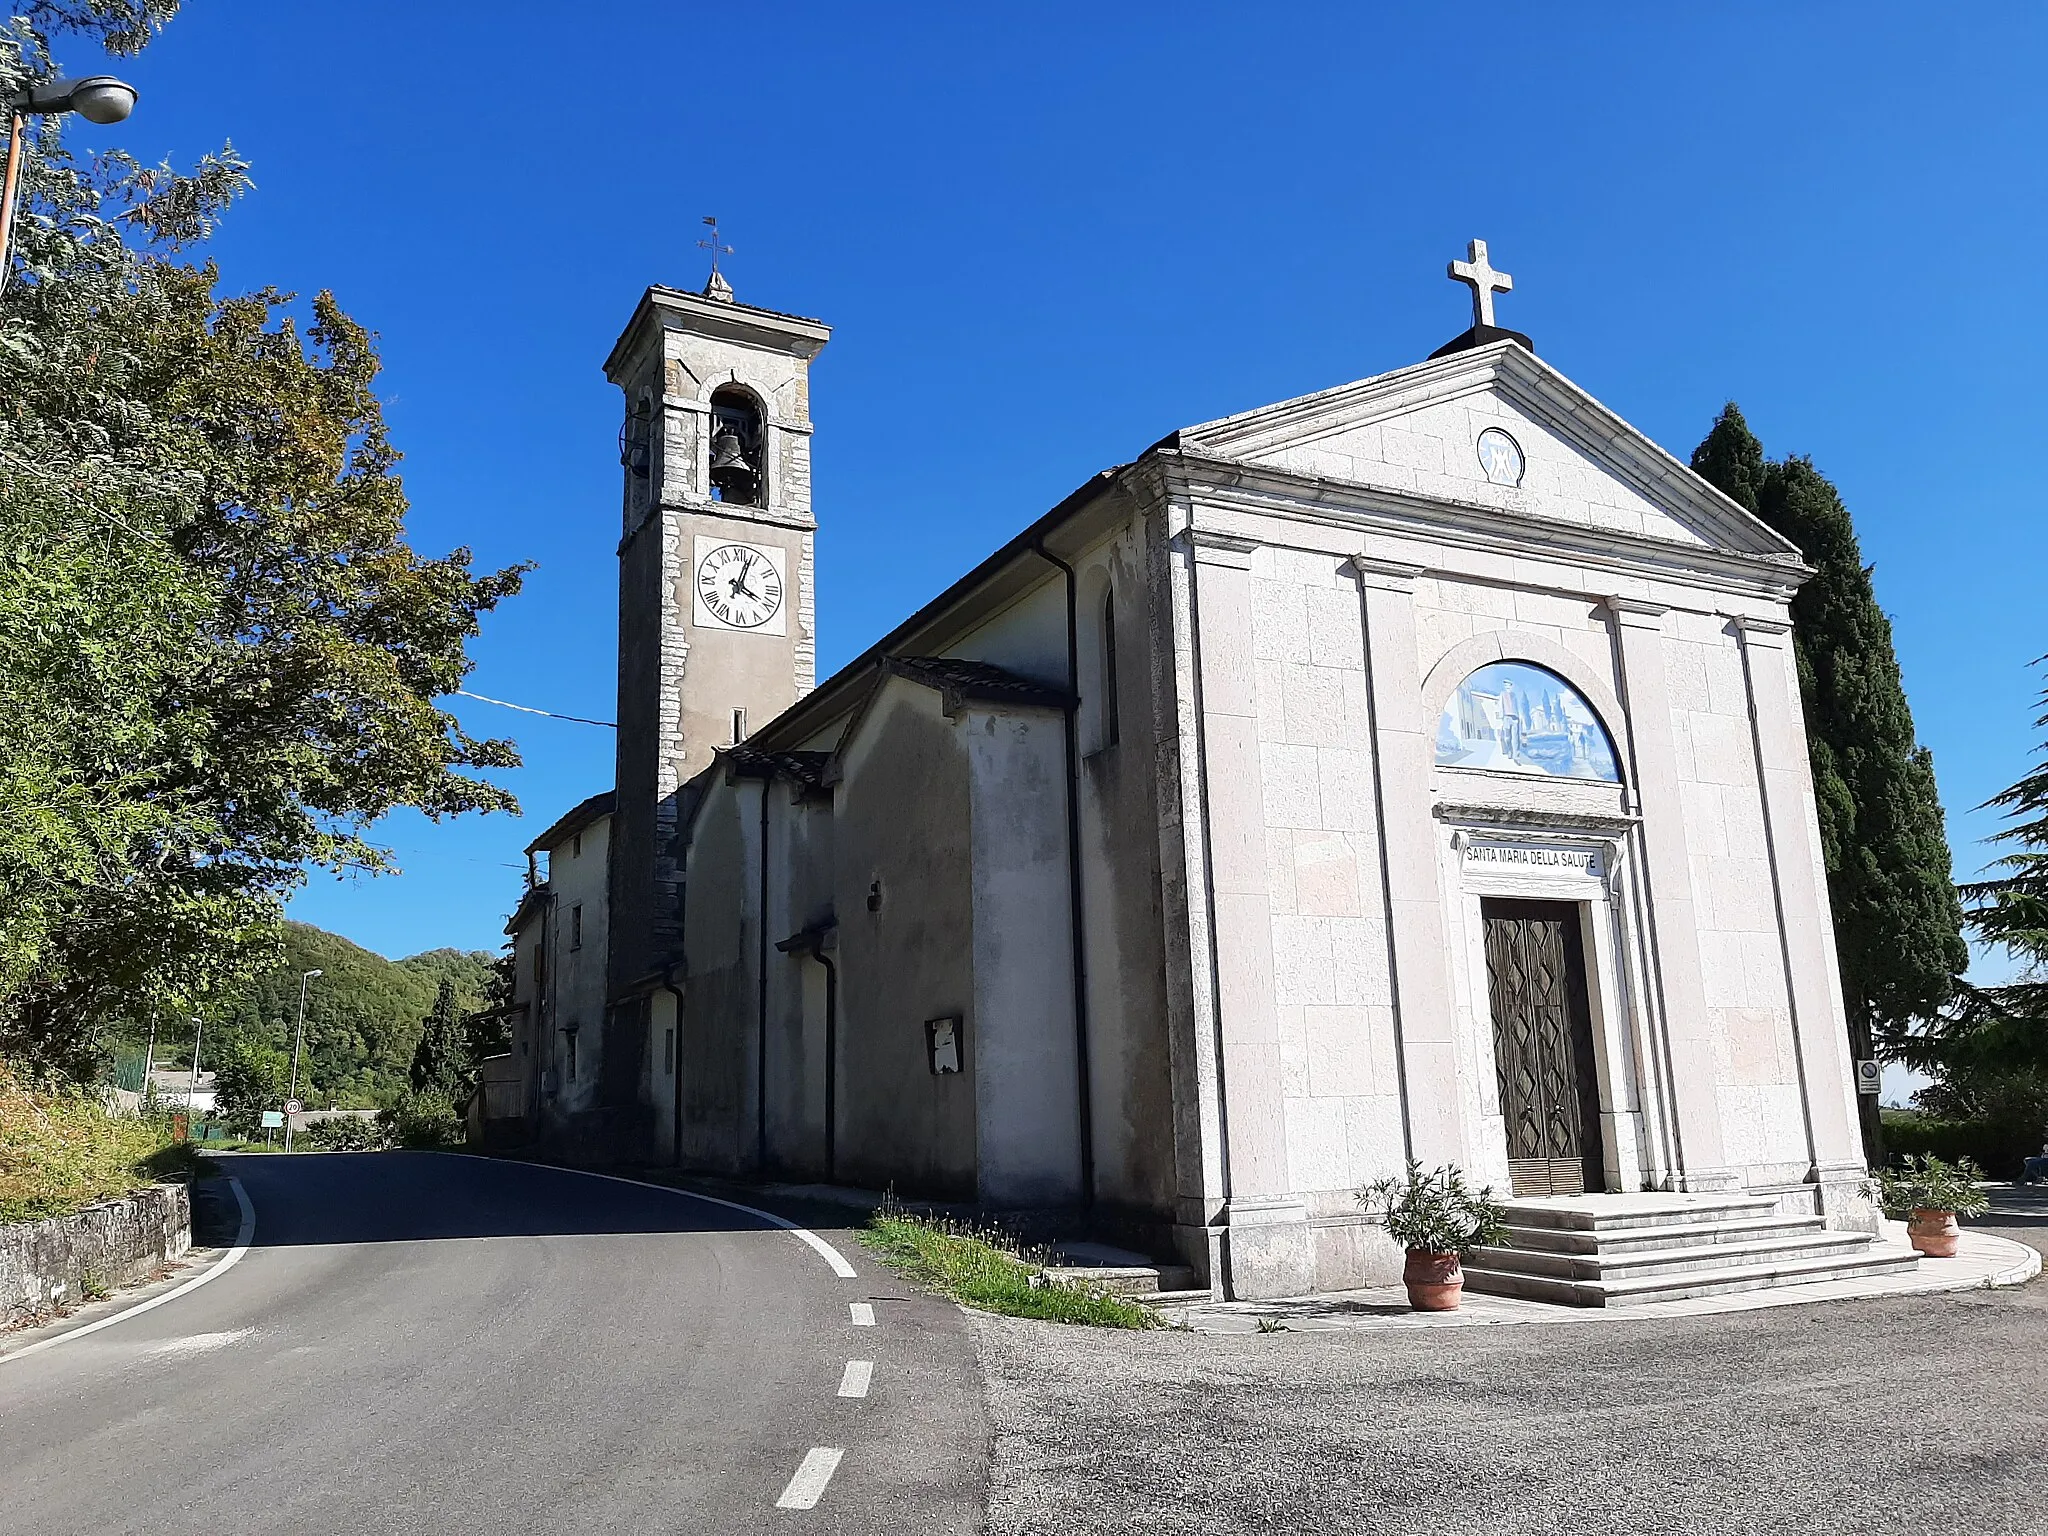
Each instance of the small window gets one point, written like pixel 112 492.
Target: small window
pixel 569 1054
pixel 1110 728
pixel 576 846
pixel 540 965
pixel 668 1052
pixel 739 726
pixel 576 926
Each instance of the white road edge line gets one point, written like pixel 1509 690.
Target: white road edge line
pixel 243 1237
pixel 803 1235
pixel 859 1373
pixel 863 1313
pixel 808 1486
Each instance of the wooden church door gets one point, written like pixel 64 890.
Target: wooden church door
pixel 1543 1046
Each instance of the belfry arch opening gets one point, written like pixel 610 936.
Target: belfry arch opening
pixel 738 468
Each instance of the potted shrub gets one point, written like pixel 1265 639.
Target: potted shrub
pixel 1438 1219
pixel 1929 1194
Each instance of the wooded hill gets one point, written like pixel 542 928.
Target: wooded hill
pixel 363 1016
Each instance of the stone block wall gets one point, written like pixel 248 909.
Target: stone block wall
pixel 45 1264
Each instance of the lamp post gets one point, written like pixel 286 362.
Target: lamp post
pixel 192 1082
pixel 298 1039
pixel 96 98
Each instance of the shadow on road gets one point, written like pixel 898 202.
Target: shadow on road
pixel 403 1197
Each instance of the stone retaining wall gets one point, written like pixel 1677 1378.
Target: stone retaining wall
pixel 46 1264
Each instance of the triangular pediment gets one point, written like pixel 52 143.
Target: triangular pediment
pixel 1416 433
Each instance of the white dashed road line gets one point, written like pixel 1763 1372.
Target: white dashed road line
pixel 855 1382
pixel 808 1486
pixel 863 1313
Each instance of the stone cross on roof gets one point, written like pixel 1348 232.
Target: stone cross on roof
pixel 1478 272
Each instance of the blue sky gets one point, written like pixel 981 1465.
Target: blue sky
pixel 1048 234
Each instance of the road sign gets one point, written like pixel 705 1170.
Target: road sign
pixel 1869 1077
pixel 272 1119
pixel 293 1107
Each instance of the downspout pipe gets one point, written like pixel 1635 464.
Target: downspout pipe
pixel 669 975
pixel 761 1003
pixel 1084 1094
pixel 831 1058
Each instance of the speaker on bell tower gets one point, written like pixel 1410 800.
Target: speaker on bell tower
pixel 715 594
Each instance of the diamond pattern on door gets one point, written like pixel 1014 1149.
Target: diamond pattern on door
pixel 1543 1046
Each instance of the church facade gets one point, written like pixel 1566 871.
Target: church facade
pixel 1414 769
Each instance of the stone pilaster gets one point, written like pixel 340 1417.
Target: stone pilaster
pixel 1268 1251
pixel 1812 979
pixel 1673 915
pixel 1424 1013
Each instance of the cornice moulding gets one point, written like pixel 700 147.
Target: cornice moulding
pixel 1230 484
pixel 1547 395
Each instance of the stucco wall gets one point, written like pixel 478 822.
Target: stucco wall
pixel 578 971
pixel 1130 1075
pixel 721 938
pixel 800 894
pixel 1027 1102
pixel 903 837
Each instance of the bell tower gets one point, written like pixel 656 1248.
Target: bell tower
pixel 716 601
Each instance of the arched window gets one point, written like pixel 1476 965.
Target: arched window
pixel 1515 717
pixel 1109 694
pixel 736 454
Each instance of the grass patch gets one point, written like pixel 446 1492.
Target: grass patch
pixel 60 1151
pixel 981 1269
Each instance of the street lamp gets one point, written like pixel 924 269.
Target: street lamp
pixel 298 1039
pixel 192 1082
pixel 96 98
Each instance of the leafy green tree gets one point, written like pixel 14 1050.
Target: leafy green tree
pixel 219 657
pixel 249 1077
pixel 1989 1053
pixel 487 1027
pixel 1884 842
pixel 2010 909
pixel 363 1013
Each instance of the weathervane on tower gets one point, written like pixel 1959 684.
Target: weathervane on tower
pixel 1478 273
pixel 715 286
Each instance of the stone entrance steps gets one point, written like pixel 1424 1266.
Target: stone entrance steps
pixel 1617 1250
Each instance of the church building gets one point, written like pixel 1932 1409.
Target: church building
pixel 1413 769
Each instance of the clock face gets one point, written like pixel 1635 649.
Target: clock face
pixel 1500 456
pixel 739 586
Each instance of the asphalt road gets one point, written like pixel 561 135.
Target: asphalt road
pixel 428 1342
pixel 1911 1415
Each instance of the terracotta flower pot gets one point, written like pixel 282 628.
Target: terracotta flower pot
pixel 1934 1233
pixel 1434 1280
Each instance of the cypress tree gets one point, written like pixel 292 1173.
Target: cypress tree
pixel 1884 841
pixel 440 1060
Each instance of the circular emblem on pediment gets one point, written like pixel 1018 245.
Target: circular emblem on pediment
pixel 1500 456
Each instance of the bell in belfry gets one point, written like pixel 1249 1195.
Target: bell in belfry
pixel 730 470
